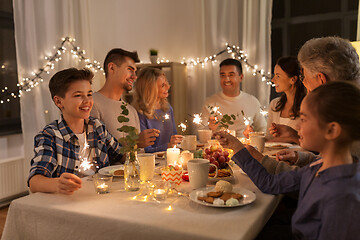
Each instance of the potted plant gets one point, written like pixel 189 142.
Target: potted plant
pixel 153 55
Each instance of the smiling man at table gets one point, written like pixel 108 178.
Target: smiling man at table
pixel 63 145
pixel 231 100
pixel 120 68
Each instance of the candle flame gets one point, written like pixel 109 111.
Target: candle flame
pixel 169 208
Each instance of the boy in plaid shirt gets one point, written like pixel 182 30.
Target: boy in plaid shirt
pixel 62 145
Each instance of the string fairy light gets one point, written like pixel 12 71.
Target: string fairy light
pixel 28 83
pixel 236 53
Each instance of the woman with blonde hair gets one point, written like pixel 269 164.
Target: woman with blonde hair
pixel 154 110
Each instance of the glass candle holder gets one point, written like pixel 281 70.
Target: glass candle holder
pixel 102 183
pixel 160 190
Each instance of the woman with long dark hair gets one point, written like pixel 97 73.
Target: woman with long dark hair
pixel 285 109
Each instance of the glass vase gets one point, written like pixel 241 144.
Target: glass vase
pixel 131 172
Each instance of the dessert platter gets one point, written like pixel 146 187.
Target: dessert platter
pixel 115 170
pixel 223 195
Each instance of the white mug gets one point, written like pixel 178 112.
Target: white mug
pixel 257 140
pixel 198 170
pixel 204 135
pixel 147 166
pixel 189 142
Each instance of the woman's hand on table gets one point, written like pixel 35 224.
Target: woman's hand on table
pixel 287 155
pixel 147 137
pixel 229 141
pixel 68 183
pixel 174 140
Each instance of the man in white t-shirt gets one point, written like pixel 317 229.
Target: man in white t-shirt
pixel 120 74
pixel 233 101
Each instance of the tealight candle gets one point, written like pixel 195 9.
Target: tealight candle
pixel 102 188
pixel 160 194
pixel 172 155
pixel 102 183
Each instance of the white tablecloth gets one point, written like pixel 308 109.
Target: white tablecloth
pixel 86 215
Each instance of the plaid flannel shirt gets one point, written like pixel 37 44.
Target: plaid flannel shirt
pixel 57 148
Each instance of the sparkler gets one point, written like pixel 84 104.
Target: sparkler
pixel 166 116
pixel 197 119
pixel 182 126
pixel 246 120
pixel 85 163
pixel 263 112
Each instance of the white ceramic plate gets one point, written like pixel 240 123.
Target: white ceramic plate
pixel 111 169
pixel 248 197
pixel 160 155
pixel 277 145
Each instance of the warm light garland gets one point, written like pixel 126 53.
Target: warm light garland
pixel 237 54
pixel 28 83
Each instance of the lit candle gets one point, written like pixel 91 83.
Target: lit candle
pixel 172 155
pixel 160 194
pixel 102 188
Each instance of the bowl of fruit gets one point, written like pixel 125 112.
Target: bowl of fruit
pixel 219 157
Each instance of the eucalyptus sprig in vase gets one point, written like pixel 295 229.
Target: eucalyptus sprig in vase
pixel 225 121
pixel 130 149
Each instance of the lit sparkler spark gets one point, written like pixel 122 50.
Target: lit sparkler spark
pixel 263 112
pixel 197 119
pixel 166 116
pixel 85 165
pixel 182 126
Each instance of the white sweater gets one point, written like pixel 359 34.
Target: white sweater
pixel 233 105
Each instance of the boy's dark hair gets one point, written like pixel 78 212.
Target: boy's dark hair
pixel 117 56
pixel 60 82
pixel 232 62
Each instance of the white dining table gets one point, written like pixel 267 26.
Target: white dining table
pixel 116 215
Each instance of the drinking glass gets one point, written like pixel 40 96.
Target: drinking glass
pixel 147 166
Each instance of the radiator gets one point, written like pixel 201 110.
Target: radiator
pixel 12 180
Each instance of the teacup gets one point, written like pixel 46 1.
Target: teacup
pixel 189 142
pixel 204 135
pixel 199 172
pixel 257 139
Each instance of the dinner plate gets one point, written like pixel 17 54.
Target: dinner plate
pixel 277 145
pixel 111 169
pixel 248 197
pixel 160 155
